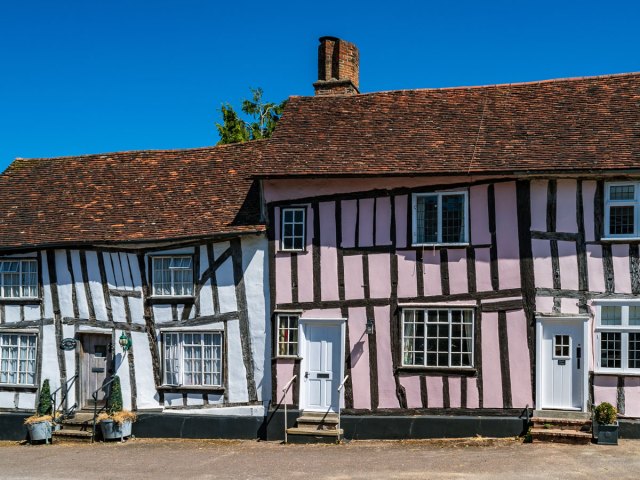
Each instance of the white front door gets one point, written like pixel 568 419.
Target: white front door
pixel 322 364
pixel 562 358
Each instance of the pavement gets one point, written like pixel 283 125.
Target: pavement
pixel 475 458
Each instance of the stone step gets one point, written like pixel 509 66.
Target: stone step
pixel 567 414
pixel 81 417
pixel 304 418
pixel 72 435
pixel 76 426
pixel 314 433
pixel 539 435
pixel 562 423
pixel 317 427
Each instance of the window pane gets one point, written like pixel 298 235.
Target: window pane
pixel 634 350
pixel 287 335
pixel 610 315
pixel 621 220
pixel 634 315
pixel 610 350
pixel 453 219
pixel 427 219
pixel 621 192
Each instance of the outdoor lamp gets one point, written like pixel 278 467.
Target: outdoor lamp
pixel 125 341
pixel 370 327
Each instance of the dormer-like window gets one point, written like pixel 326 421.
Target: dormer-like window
pixel 621 210
pixel 440 218
pixel 173 275
pixel 293 229
pixel 19 278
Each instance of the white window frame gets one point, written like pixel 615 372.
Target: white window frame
pixel 172 270
pixel 21 286
pixel 425 309
pixel 439 195
pixel 179 335
pixel 18 371
pixel 304 229
pixel 280 316
pixel 608 203
pixel 624 329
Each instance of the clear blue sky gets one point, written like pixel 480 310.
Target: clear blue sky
pixel 89 76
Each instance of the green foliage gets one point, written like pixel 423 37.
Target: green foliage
pixel 262 119
pixel 605 413
pixel 115 398
pixel 44 401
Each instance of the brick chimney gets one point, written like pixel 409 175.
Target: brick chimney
pixel 338 67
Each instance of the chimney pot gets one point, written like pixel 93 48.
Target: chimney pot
pixel 338 67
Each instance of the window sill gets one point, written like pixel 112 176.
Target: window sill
pixel 440 245
pixel 462 371
pixel 303 250
pixel 286 357
pixel 190 389
pixel 619 239
pixel 159 300
pixel 20 301
pixel 617 373
pixel 17 388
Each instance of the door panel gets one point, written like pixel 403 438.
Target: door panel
pixel 94 367
pixel 562 366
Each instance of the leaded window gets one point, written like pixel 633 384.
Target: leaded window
pixel 192 358
pixel 19 278
pixel 287 335
pixel 621 210
pixel 440 218
pixel 17 359
pixel 437 337
pixel 293 229
pixel 617 336
pixel 173 275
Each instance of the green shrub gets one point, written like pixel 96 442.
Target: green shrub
pixel 44 401
pixel 115 398
pixel 606 413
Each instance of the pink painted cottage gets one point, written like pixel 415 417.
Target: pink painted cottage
pixel 445 261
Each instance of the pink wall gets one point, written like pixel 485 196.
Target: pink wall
pixel 365 225
pixel 379 275
pixel 284 372
pixel 411 386
pixel 479 215
pixel 542 269
pixel 305 264
pixel 595 268
pixel 401 221
pixel 328 252
pixel 431 272
pixel 621 272
pixel 349 217
pixel 383 221
pixel 588 194
pixel 519 363
pixel 566 208
pixel 491 372
pixel 353 281
pixel 458 270
pixel 434 392
pixel 322 313
pixel 359 344
pixel 407 286
pixel 544 304
pixel 605 389
pixel 539 205
pixel 483 270
pixel 387 397
pixel 473 398
pixel 283 277
pixel 568 260
pixel 632 396
pixel 455 392
pixel 506 235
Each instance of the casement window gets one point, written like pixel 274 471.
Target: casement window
pixel 437 337
pixel 287 332
pixel 621 210
pixel 17 359
pixel 173 275
pixel 617 337
pixel 192 358
pixel 293 229
pixel 440 218
pixel 19 278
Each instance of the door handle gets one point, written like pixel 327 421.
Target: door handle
pixel 306 374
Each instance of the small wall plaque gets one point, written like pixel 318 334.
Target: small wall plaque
pixel 562 362
pixel 68 344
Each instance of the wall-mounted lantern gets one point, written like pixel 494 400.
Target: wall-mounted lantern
pixel 125 342
pixel 370 326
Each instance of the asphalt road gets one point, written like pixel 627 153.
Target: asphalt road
pixel 188 459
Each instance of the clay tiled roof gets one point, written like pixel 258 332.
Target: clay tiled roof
pixel 130 196
pixel 570 124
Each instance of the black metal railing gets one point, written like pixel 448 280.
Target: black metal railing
pixel 106 387
pixel 63 390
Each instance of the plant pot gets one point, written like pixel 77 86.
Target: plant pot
pixel 113 431
pixel 39 431
pixel 606 434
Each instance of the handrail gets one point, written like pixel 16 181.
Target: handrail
pixel 65 393
pixel 285 389
pixel 94 395
pixel 344 380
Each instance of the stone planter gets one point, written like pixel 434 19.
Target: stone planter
pixel 112 431
pixel 605 434
pixel 39 431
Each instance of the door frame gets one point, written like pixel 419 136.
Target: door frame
pixel 541 322
pixel 303 323
pixel 83 402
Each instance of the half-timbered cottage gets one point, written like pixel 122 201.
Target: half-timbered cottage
pixel 462 251
pixel 161 249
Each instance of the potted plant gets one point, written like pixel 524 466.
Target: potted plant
pixel 39 425
pixel 116 422
pixel 605 424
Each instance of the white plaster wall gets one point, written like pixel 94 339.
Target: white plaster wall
pixel 68 331
pixel 95 285
pixel 81 295
pixel 12 313
pixel 27 401
pixel 122 370
pixel 162 313
pixel 117 309
pixel 47 303
pixel 31 312
pixel 65 286
pixel 237 388
pixel 8 400
pixel 147 396
pixel 136 305
pixel 50 365
pixel 206 295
